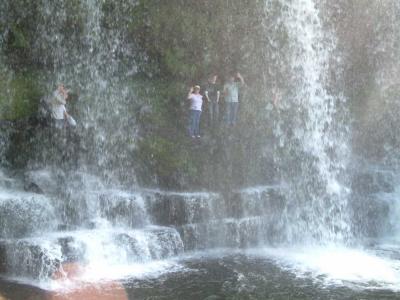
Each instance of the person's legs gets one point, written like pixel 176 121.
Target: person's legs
pixel 59 124
pixel 211 111
pixel 197 123
pixel 216 112
pixel 235 107
pixel 192 114
pixel 228 112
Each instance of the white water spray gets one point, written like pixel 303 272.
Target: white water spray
pixel 320 210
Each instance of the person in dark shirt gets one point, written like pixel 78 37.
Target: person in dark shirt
pixel 212 94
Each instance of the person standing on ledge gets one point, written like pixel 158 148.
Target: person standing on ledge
pixel 212 94
pixel 231 93
pixel 196 102
pixel 58 110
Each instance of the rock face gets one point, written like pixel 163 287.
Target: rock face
pixel 23 214
pixel 90 223
pixel 371 215
pixel 240 219
pixel 373 182
pixel 256 43
pixel 29 259
pixel 373 201
pixel 5 129
pixel 3 259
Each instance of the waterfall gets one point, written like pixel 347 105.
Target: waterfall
pixel 91 210
pixel 94 219
pixel 81 217
pixel 96 63
pixel 313 140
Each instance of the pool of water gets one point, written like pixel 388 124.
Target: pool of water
pixel 306 273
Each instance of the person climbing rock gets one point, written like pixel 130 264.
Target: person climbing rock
pixel 231 94
pixel 196 102
pixel 212 94
pixel 58 111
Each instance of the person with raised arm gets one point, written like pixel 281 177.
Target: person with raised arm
pixel 58 111
pixel 196 103
pixel 231 94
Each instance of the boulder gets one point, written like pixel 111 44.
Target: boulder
pixel 23 214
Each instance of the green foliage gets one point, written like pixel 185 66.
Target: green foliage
pixel 19 40
pixel 166 159
pixel 18 24
pixel 20 96
pixel 74 17
pixel 188 40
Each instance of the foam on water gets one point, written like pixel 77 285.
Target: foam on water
pixel 356 268
pixel 113 273
pixel 134 270
pixel 104 274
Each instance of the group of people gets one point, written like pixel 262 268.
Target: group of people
pixel 212 94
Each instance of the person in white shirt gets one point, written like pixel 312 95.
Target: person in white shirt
pixel 58 110
pixel 196 102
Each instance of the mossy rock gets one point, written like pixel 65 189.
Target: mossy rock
pixel 20 96
pixel 167 160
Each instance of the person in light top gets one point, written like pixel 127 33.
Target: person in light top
pixel 58 110
pixel 196 103
pixel 231 92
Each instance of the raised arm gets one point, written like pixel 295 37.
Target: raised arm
pixel 59 98
pixel 238 75
pixel 190 93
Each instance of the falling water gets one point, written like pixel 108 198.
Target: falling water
pixel 318 189
pixel 91 219
pixel 96 64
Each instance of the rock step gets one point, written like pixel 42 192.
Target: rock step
pixel 119 208
pixel 178 209
pixel 231 233
pixel 23 214
pixel 40 257
pixel 85 198
pixel 9 183
pixel 79 209
pixel 370 181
